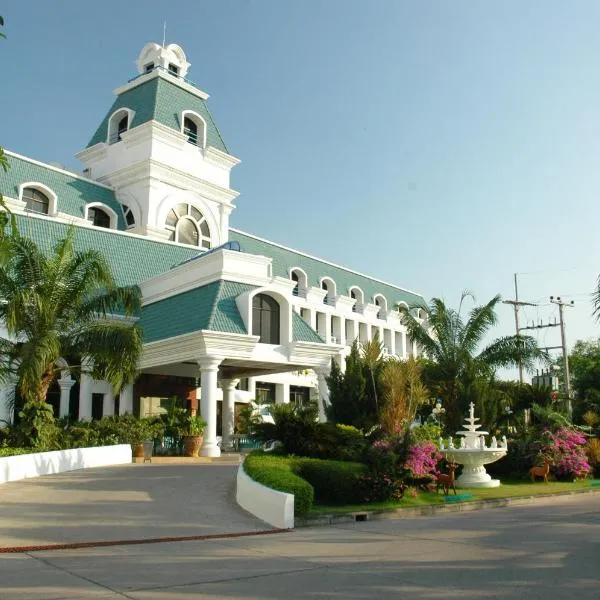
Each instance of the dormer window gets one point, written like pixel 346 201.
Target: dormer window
pixel 265 319
pixel 36 201
pixel 118 124
pixel 98 217
pixel 190 129
pixel 188 226
pixel 173 69
pixel 149 67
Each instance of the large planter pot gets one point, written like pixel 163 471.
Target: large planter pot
pixel 192 444
pixel 138 449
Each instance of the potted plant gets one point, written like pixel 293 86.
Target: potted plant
pixel 137 431
pixel 193 435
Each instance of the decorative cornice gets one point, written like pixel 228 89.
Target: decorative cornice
pixel 163 75
pixel 220 158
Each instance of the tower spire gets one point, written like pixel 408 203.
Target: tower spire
pixel 164 33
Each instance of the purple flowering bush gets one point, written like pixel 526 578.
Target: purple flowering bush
pixel 422 460
pixel 566 449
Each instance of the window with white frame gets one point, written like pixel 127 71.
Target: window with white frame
pixel 194 128
pixel 36 201
pixel 98 217
pixel 118 124
pixel 129 216
pixel 188 226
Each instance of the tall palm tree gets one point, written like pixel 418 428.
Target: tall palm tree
pixel 63 305
pixel 452 345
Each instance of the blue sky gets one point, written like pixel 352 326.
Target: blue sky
pixel 437 145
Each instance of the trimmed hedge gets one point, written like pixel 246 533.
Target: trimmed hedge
pixel 309 479
pixel 277 473
pixel 334 482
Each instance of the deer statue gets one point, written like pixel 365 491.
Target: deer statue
pixel 446 481
pixel 540 471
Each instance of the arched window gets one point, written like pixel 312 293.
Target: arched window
pixel 329 286
pixel 129 216
pixel 265 319
pixel 118 124
pixel 382 303
pixel 98 217
pixel 188 226
pixel 299 276
pixel 194 128
pixel 356 294
pixel 36 201
pixel 191 130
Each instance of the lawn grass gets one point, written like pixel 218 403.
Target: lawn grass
pixel 508 489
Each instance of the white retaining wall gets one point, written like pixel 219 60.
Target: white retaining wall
pixel 276 508
pixel 23 466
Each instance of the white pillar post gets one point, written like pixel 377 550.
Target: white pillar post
pixel 209 368
pixel 282 393
pixel 126 399
pixel 85 391
pixel 228 414
pixel 252 387
pixel 108 404
pixel 323 393
pixel 404 348
pixel 65 395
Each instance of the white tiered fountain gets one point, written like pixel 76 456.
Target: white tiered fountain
pixel 473 454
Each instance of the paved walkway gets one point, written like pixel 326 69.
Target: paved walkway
pixel 127 502
pixel 547 551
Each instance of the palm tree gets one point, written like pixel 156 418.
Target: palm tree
pixel 451 346
pixel 63 305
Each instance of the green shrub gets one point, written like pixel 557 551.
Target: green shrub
pixel 15 451
pixel 428 432
pixel 334 482
pixel 277 472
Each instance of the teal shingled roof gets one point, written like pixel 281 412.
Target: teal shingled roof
pixel 72 193
pixel 162 101
pixel 284 259
pixel 302 331
pixel 132 259
pixel 211 307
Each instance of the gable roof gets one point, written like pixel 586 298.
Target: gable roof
pixel 160 100
pixel 72 192
pixel 285 259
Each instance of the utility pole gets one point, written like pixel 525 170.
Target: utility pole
pixel 561 305
pixel 516 305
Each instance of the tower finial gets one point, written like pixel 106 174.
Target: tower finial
pixel 164 33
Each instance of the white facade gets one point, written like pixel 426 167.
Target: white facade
pixel 166 176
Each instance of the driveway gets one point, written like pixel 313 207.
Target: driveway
pixel 126 502
pixel 547 551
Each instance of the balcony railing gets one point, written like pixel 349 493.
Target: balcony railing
pixel 300 292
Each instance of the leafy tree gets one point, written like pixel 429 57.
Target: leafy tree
pixel 404 392
pixel 455 360
pixel 584 365
pixel 60 306
pixel 349 403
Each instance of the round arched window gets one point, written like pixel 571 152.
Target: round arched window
pixel 188 226
pixel 36 201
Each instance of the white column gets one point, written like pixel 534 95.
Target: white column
pixel 85 391
pixel 228 415
pixel 209 368
pixel 282 393
pixel 252 387
pixel 328 332
pixel 108 404
pixel 323 393
pixel 65 395
pixel 126 399
pixel 404 348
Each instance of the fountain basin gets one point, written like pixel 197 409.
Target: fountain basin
pixel 474 474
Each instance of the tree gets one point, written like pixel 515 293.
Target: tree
pixel 584 364
pixel 64 305
pixel 403 393
pixel 454 361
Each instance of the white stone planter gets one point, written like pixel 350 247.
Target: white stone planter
pixel 24 466
pixel 272 506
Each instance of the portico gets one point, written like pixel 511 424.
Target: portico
pixel 222 317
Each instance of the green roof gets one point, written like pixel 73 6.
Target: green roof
pixel 72 192
pixel 210 307
pixel 163 101
pixel 132 258
pixel 285 259
pixel 302 331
